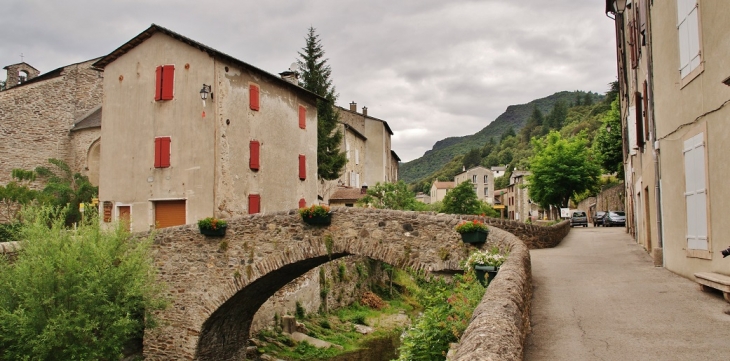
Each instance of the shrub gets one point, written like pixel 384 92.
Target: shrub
pixel 471 226
pixel 314 210
pixel 212 223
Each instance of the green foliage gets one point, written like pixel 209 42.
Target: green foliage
pixel 472 158
pixel 391 196
pixel 448 309
pixel 314 211
pixel 561 168
pixel 211 223
pixel 461 200
pixel 75 295
pixel 316 78
pixel 10 232
pixel 493 257
pixel 485 209
pixel 471 226
pixel 608 146
pixel 299 311
pixel 502 182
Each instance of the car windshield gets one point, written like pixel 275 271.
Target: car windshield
pixel 600 213
pixel 579 214
pixel 620 214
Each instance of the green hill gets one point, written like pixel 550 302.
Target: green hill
pixel 445 150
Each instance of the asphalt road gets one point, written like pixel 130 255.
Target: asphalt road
pixel 597 296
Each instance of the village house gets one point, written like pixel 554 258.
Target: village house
pixel 482 180
pixel 674 91
pixel 439 190
pixel 519 205
pixel 190 132
pixel 53 115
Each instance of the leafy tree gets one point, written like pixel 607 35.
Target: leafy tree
pixel 510 132
pixel 502 182
pixel 561 168
pixel 608 146
pixel 316 78
pixel 557 115
pixel 462 200
pixel 75 295
pixel 391 196
pixel 472 158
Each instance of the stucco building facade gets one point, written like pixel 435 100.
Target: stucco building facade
pixel 170 158
pixel 673 72
pixel 482 180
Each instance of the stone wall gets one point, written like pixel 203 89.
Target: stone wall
pixel 534 236
pixel 611 199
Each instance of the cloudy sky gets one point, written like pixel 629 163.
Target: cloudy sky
pixel 430 68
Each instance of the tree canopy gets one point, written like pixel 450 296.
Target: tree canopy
pixel 316 78
pixel 461 200
pixel 608 146
pixel 561 168
pixel 391 196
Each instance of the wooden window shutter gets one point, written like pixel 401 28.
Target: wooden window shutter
pixel 302 203
pixel 168 82
pixel 645 97
pixel 158 83
pixel 254 203
pixel 255 155
pixel 162 152
pixel 253 91
pixel 302 167
pixel 302 117
pixel 638 102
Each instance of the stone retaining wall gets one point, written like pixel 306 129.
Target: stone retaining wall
pixel 534 236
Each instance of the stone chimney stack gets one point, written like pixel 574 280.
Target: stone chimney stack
pixel 290 76
pixel 365 111
pixel 19 74
pixel 353 107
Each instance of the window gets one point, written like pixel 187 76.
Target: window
pixel 254 203
pixel 486 179
pixel 253 97
pixel 639 121
pixel 474 179
pixel 486 192
pixel 357 156
pixel 254 154
pixel 696 194
pixel 302 117
pixel 689 36
pixel 162 152
pixel 169 213
pixel 302 167
pixel 347 149
pixel 164 82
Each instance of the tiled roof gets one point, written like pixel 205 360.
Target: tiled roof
pixel 347 194
pixel 444 185
pixel 91 119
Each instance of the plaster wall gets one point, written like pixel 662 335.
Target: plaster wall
pixel 481 186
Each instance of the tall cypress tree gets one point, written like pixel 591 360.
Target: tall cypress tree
pixel 316 78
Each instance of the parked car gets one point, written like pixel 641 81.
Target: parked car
pixel 598 218
pixel 579 218
pixel 614 218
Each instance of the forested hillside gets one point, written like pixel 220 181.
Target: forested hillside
pixel 586 112
pixel 515 117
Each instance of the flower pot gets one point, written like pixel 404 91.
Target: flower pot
pixel 318 220
pixel 488 271
pixel 478 236
pixel 218 232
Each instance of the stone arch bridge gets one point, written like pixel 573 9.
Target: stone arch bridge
pixel 217 284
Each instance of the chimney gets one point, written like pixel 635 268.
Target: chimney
pixel 365 111
pixel 364 188
pixel 353 107
pixel 290 76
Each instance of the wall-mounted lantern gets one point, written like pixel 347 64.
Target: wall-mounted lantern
pixel 204 93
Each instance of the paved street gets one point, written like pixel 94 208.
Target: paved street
pixel 597 296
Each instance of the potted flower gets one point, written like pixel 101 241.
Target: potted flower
pixel 485 263
pixel 473 231
pixel 316 215
pixel 212 226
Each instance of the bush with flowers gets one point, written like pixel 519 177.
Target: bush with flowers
pixel 314 211
pixel 211 223
pixel 471 226
pixel 494 257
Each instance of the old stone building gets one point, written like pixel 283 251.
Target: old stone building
pixel 50 116
pixel 482 180
pixel 519 205
pixel 171 157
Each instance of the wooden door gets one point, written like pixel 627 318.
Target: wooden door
pixel 125 216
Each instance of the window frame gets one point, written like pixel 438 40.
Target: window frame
pixel 699 68
pixel 697 253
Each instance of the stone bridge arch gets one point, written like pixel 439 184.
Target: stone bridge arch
pixel 217 284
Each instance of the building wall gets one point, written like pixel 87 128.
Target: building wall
pixel 85 155
pixel 35 119
pixel 685 107
pixel 378 152
pixel 210 144
pixel 480 186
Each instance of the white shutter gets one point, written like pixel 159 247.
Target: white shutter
pixel 689 36
pixel 357 180
pixel 695 192
pixel 357 156
pixel 632 130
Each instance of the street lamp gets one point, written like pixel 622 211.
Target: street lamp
pixel 204 93
pixel 619 6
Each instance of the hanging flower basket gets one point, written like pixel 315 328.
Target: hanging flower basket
pixel 485 264
pixel 212 227
pixel 316 215
pixel 473 231
pixel 485 274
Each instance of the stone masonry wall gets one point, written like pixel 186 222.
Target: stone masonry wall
pixel 35 118
pixel 534 236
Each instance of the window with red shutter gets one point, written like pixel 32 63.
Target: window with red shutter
pixel 164 82
pixel 302 203
pixel 253 91
pixel 254 203
pixel 638 103
pixel 302 117
pixel 255 154
pixel 302 167
pixel 162 152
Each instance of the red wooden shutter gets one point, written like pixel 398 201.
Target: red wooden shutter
pixel 168 82
pixel 162 152
pixel 253 91
pixel 158 83
pixel 302 203
pixel 302 117
pixel 638 103
pixel 302 167
pixel 254 162
pixel 254 203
